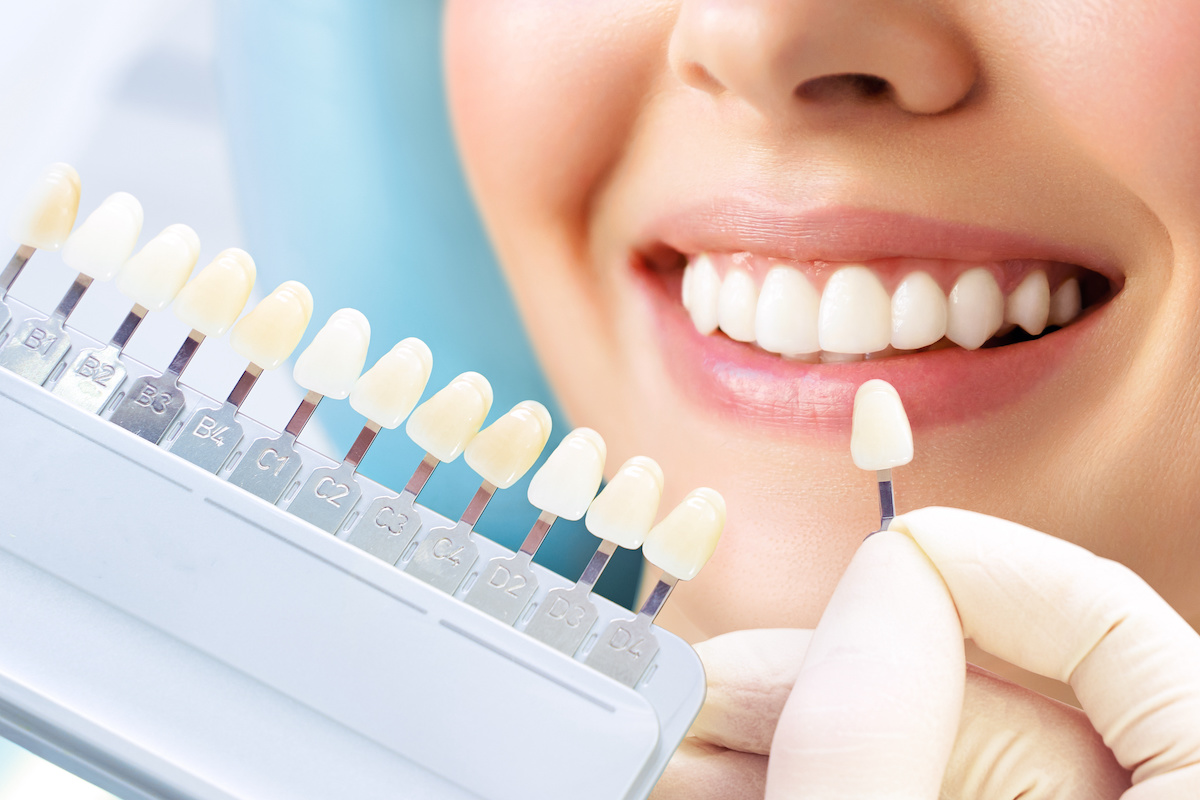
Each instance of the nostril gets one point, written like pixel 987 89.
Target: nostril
pixel 697 76
pixel 850 86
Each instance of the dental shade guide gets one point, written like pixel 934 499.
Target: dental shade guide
pixel 43 222
pixel 680 546
pixel 385 395
pixel 208 304
pixel 620 516
pixel 501 453
pixel 880 440
pixel 563 487
pixel 328 367
pixel 96 250
pixel 151 279
pixel 266 338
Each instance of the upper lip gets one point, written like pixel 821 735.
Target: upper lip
pixel 849 234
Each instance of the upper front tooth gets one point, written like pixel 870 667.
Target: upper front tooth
pixel 1066 303
pixel 1029 303
pixel 976 309
pixel 785 321
pixel 736 305
pixel 106 239
pixel 704 291
pixel 45 218
pixel 856 313
pixel 334 359
pixel 918 312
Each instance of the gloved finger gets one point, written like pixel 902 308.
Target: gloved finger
pixel 876 706
pixel 1056 609
pixel 703 771
pixel 750 675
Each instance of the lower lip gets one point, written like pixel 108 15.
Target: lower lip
pixel 938 387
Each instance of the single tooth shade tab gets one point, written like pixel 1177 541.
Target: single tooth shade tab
pixel 624 511
pixel 45 218
pixel 736 305
pixel 506 449
pixel 918 312
pixel 880 436
pixel 1029 304
pixel 975 309
pixel 270 332
pixel 388 391
pixel 154 275
pixel 105 240
pixel 1065 303
pixel 335 357
pixel 212 300
pixel 567 483
pixel 444 424
pixel 704 289
pixel 683 542
pixel 786 318
pixel 856 313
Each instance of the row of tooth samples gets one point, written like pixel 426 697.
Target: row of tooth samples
pixel 854 315
pixel 447 425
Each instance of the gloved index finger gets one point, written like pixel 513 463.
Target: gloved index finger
pixel 1057 609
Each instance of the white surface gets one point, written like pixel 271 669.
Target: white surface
pixel 334 359
pixel 106 238
pixel 880 436
pixel 569 479
pixel 155 274
pixel 683 542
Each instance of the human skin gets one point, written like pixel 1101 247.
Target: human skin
pixel 1072 125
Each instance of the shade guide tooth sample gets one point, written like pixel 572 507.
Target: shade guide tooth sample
pixel 266 338
pixel 622 514
pixel 384 394
pixel 106 239
pixel 501 454
pixel 151 278
pixel 562 487
pixel 880 439
pixel 328 367
pixel 442 426
pixel 209 303
pixel 44 219
pixel 680 546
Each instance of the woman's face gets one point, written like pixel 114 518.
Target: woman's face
pixel 612 143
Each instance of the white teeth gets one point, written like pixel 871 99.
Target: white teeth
pixel 1029 304
pixel 1066 303
pixel 45 218
pixel 786 318
pixel 388 391
pixel 505 450
pixel 270 332
pixel 334 359
pixel 918 312
pixel 106 239
pixel 683 542
pixel 855 315
pixel 976 309
pixel 736 305
pixel 566 484
pixel 704 289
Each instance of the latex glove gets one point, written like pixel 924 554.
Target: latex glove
pixel 876 710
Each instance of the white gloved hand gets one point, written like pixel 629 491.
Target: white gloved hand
pixel 884 705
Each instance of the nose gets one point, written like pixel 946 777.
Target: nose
pixel 779 55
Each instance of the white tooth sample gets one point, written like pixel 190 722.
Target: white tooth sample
pixel 880 436
pixel 855 314
pixel 444 424
pixel 388 391
pixel 153 276
pixel 918 312
pixel 105 240
pixel 1066 303
pixel 704 293
pixel 1029 304
pixel 270 332
pixel 683 542
pixel 976 309
pixel 211 301
pixel 45 217
pixel 625 510
pixel 567 483
pixel 506 449
pixel 736 305
pixel 334 359
pixel 785 321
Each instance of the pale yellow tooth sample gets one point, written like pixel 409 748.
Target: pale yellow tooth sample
pixel 683 542
pixel 880 436
pixel 155 274
pixel 506 449
pixel 45 218
pixel 1029 304
pixel 388 391
pixel 270 332
pixel 444 424
pixel 335 357
pixel 211 301
pixel 1066 303
pixel 625 510
pixel 105 240
pixel 566 484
